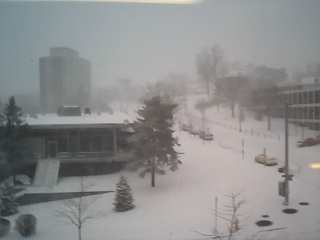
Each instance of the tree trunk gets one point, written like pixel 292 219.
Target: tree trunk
pixel 232 109
pixel 79 233
pixel 13 173
pixel 14 179
pixel 153 173
pixel 208 88
pixel 269 119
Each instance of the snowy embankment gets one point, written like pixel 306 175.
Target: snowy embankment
pixel 182 202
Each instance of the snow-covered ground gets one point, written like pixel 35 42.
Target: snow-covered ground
pixel 182 202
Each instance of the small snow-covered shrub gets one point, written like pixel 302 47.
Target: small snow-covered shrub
pixel 4 227
pixel 23 180
pixel 26 224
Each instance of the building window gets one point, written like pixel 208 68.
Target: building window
pixel 311 110
pixel 297 113
pixel 97 144
pixel 62 144
pixel 317 96
pixel 294 113
pixel 317 113
pixel 304 97
pixel 84 143
pixel 310 97
pixel 108 142
pixel 300 97
pixel 295 98
pixel 305 113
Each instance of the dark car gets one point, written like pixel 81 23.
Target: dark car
pixel 308 142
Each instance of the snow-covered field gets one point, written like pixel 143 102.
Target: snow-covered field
pixel 182 202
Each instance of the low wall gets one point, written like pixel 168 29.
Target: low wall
pixel 88 169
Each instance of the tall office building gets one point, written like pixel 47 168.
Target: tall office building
pixel 64 79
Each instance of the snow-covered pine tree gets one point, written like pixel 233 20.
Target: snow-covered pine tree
pixel 153 141
pixel 123 200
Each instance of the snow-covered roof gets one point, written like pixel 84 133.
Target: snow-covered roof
pixel 52 119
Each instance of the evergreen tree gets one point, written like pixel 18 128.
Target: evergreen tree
pixel 123 200
pixel 12 134
pixel 153 141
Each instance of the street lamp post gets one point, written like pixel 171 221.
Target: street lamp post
pixel 286 168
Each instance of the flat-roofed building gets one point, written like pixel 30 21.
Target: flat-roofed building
pixel 84 137
pixel 304 100
pixel 68 143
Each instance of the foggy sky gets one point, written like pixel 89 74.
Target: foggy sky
pixel 145 42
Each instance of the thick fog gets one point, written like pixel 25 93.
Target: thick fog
pixel 146 42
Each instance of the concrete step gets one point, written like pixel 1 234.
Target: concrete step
pixel 47 172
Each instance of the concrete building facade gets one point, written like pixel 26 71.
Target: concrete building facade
pixel 65 79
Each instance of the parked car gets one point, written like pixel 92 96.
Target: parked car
pixel 282 170
pixel 263 159
pixel 194 131
pixel 186 127
pixel 207 136
pixel 309 142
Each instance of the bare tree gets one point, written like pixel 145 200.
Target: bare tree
pixel 230 215
pixel 232 89
pixel 75 211
pixel 233 215
pixel 208 62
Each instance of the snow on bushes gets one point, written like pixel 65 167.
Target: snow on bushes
pixel 26 225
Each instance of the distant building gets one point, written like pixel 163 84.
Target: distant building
pixel 65 79
pixel 304 100
pixel 302 96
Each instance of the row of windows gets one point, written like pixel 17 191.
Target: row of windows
pixel 305 113
pixel 302 97
pixel 84 143
pixel 96 143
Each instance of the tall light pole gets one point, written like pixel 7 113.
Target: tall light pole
pixel 286 168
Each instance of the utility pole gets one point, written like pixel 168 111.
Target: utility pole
pixel 242 143
pixel 241 118
pixel 215 229
pixel 286 177
pixel 203 120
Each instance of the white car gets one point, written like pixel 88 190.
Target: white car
pixel 263 159
pixel 194 131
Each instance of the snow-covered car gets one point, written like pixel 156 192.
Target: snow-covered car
pixel 271 162
pixel 207 136
pixel 263 159
pixel 194 131
pixel 186 127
